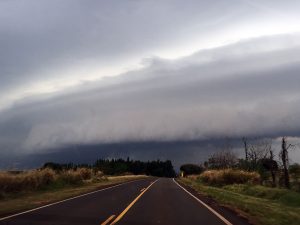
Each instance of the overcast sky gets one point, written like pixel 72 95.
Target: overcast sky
pixel 82 72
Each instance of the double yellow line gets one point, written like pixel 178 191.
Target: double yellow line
pixel 127 208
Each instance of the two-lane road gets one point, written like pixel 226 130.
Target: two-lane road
pixel 149 201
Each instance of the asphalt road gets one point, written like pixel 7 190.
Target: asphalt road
pixel 150 201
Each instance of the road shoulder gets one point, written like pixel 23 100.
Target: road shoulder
pixel 232 215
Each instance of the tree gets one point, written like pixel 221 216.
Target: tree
pixel 271 165
pixel 222 160
pixel 259 157
pixel 259 150
pixel 121 166
pixel 189 169
pixel 244 139
pixel 285 161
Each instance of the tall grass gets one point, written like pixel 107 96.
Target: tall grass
pixel 229 176
pixel 30 180
pixel 39 179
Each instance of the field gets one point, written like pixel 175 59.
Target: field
pixel 261 205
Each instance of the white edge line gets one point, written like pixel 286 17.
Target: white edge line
pixel 68 199
pixel 208 207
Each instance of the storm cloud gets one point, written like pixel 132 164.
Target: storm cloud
pixel 215 93
pixel 77 72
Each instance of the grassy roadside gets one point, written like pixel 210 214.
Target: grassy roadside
pixel 261 205
pixel 29 200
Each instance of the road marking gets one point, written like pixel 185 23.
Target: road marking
pixel 142 189
pixel 68 199
pixel 108 220
pixel 207 206
pixel 131 204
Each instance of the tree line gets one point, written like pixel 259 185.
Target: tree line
pixel 120 166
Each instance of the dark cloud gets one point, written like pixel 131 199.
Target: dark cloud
pixel 49 48
pixel 254 94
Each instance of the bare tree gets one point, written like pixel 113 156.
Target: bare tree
pixel 259 150
pixel 271 165
pixel 244 139
pixel 223 159
pixel 273 168
pixel 285 160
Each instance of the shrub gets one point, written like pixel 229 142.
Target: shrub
pixel 8 183
pixel 229 176
pixel 71 177
pixel 85 173
pixel 46 176
pixel 295 171
pixel 30 180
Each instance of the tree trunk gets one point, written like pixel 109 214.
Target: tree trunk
pixel 246 148
pixel 284 157
pixel 273 178
pixel 273 173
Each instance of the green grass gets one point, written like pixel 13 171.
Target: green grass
pixel 280 195
pixel 261 205
pixel 58 191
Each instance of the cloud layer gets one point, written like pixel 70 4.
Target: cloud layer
pixel 81 73
pixel 47 46
pixel 236 90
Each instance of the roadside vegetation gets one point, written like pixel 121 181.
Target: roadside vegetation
pixel 259 187
pixel 228 176
pixel 45 179
pixel 261 205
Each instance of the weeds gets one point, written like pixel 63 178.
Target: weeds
pixel 229 176
pixel 40 179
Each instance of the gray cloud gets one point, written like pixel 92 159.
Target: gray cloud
pixel 38 39
pixel 247 85
pixel 41 40
pixel 231 94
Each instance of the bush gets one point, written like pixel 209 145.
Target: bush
pixel 85 173
pixel 229 176
pixel 71 177
pixel 8 183
pixel 26 181
pixel 46 176
pixel 295 171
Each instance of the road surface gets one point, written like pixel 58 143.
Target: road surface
pixel 150 201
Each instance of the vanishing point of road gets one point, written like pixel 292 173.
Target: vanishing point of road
pixel 149 201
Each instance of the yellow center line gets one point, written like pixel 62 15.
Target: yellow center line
pixel 142 189
pixel 108 220
pixel 131 204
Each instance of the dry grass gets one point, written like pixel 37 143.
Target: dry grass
pixel 228 176
pixel 30 180
pixel 41 179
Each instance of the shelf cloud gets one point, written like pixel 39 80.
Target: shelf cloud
pixel 101 72
pixel 210 94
